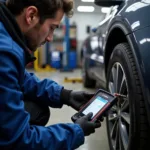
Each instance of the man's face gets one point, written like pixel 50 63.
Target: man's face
pixel 39 34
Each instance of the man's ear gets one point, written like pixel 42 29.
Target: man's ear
pixel 32 15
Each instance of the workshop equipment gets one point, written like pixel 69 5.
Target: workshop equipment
pixel 73 80
pixel 120 95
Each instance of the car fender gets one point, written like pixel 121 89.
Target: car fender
pixel 136 13
pixel 118 25
pixel 139 42
pixel 132 15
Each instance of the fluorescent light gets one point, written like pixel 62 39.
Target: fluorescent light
pixel 105 9
pixel 85 8
pixel 87 0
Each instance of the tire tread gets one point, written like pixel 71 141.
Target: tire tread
pixel 143 116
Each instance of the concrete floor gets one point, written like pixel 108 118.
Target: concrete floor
pixel 96 141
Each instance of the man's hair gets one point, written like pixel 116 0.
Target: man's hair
pixel 46 8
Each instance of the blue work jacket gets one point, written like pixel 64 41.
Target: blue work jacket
pixel 15 131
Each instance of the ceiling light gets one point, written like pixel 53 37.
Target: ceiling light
pixel 85 8
pixel 105 9
pixel 87 0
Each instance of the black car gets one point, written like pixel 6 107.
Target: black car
pixel 118 57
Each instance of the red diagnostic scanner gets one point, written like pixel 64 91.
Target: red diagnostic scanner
pixel 98 105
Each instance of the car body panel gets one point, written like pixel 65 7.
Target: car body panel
pixel 130 19
pixel 135 12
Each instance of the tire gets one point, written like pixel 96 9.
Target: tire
pixel 87 81
pixel 127 123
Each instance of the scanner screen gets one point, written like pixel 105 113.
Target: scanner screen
pixel 95 106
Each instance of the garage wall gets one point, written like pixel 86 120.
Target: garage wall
pixel 83 20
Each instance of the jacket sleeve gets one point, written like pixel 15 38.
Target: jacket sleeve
pixel 45 91
pixel 15 130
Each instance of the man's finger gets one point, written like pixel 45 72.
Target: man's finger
pixel 101 119
pixel 97 125
pixel 89 116
pixel 88 95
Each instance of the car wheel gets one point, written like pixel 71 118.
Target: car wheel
pixel 87 81
pixel 127 124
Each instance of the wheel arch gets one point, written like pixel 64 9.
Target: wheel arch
pixel 111 43
pixel 132 38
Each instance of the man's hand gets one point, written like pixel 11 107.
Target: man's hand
pixel 78 99
pixel 75 99
pixel 87 126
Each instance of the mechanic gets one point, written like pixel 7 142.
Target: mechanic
pixel 24 99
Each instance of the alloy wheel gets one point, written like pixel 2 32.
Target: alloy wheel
pixel 119 115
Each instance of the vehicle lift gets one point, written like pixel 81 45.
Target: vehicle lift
pixel 39 69
pixel 66 54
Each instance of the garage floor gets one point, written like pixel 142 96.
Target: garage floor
pixel 96 141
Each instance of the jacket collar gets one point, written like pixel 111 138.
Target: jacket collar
pixel 13 29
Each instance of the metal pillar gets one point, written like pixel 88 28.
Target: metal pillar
pixel 66 45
